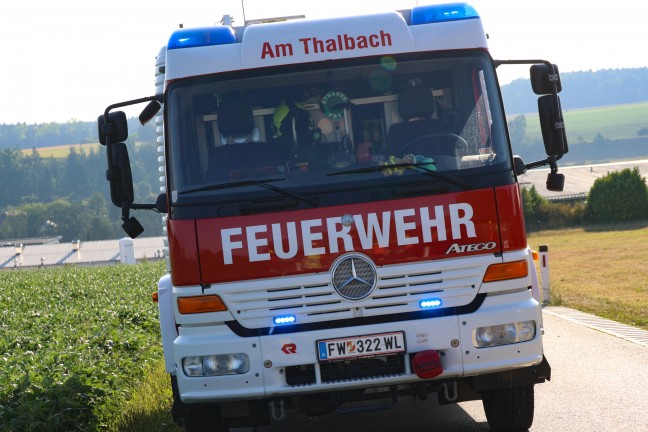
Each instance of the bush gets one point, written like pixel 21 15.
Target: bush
pixel 542 214
pixel 619 196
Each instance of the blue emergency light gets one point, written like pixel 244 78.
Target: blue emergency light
pixel 202 36
pixel 432 303
pixel 284 319
pixel 442 13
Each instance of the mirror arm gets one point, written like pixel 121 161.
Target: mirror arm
pixel 551 161
pixel 135 206
pixel 130 102
pixel 109 108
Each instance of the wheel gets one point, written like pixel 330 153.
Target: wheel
pixel 204 419
pixel 509 409
pixel 449 138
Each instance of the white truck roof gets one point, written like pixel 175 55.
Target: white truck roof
pixel 208 50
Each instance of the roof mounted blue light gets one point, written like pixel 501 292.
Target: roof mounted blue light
pixel 442 13
pixel 202 36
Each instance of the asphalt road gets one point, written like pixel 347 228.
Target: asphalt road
pixel 599 383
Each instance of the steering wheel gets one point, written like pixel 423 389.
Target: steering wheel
pixel 463 145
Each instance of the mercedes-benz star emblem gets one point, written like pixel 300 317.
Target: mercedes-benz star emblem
pixel 354 277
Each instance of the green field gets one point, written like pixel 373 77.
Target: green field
pixel 75 342
pixel 62 151
pixel 613 122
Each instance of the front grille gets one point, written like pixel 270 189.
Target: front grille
pixel 312 298
pixel 346 370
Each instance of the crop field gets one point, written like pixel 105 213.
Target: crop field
pixel 74 344
pixel 80 346
pixel 613 122
pixel 62 151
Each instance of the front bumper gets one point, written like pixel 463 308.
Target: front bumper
pixel 273 356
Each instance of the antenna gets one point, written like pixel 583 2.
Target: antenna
pixel 243 8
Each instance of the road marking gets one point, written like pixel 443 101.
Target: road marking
pixel 623 331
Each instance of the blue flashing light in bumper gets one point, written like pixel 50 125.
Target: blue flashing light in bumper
pixel 202 36
pixel 430 303
pixel 284 319
pixel 443 12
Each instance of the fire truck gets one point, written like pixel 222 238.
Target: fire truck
pixel 343 217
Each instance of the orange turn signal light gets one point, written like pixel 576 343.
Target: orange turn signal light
pixel 154 297
pixel 505 271
pixel 200 304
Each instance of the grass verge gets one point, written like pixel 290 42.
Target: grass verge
pixel 149 408
pixel 601 270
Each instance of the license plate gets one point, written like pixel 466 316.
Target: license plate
pixel 360 346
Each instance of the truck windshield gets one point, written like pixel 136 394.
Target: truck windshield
pixel 327 125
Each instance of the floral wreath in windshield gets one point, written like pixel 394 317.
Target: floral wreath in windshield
pixel 333 104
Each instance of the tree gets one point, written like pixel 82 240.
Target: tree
pixel 517 130
pixel 619 196
pixel 74 181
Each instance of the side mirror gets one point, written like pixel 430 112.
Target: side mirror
pixel 116 130
pixel 543 78
pixel 518 165
pixel 552 125
pixel 161 204
pixel 119 175
pixel 149 112
pixel 555 181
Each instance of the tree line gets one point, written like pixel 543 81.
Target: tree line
pixel 69 197
pixel 28 136
pixel 584 89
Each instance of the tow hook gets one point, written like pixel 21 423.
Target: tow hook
pixel 277 413
pixel 446 391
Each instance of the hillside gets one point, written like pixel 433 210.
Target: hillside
pixel 583 90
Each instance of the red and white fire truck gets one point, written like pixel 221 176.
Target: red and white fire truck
pixel 343 217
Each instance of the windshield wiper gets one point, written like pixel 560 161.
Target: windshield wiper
pixel 264 183
pixel 420 167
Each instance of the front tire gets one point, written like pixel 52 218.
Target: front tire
pixel 509 410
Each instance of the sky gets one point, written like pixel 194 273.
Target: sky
pixel 63 60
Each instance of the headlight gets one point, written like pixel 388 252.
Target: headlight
pixel 504 334
pixel 216 365
pixel 192 366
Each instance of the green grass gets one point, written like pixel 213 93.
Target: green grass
pixel 150 405
pixel 603 271
pixel 613 122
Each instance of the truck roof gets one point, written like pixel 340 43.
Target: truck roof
pixel 220 48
